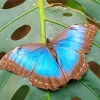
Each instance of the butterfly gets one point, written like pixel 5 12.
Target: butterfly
pixel 53 64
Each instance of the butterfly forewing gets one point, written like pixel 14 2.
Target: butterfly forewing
pixel 77 37
pixel 22 60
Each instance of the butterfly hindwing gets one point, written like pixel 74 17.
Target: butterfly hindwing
pixel 72 62
pixel 50 71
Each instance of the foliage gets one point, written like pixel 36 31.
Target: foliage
pixel 46 22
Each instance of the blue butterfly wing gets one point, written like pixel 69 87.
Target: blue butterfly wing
pixel 71 62
pixel 47 73
pixel 36 61
pixel 77 37
pixel 71 46
pixel 22 59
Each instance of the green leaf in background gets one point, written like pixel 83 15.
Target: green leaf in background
pixel 39 23
pixel 75 5
pixel 93 9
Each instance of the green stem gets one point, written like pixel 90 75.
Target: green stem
pixel 44 97
pixel 42 21
pixel 96 44
pixel 17 18
pixel 5 81
pixel 55 22
pixel 47 96
pixel 90 89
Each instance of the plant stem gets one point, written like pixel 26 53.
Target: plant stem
pixel 90 89
pixel 2 28
pixel 42 21
pixel 96 44
pixel 5 81
pixel 58 23
pixel 48 96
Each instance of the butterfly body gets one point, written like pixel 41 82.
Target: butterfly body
pixel 53 64
pixel 51 48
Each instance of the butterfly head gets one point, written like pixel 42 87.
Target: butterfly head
pixel 48 41
pixel 49 44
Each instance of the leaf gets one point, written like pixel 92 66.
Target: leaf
pixel 44 23
pixel 75 5
pixel 93 10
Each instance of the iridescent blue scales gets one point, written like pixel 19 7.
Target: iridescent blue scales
pixel 50 68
